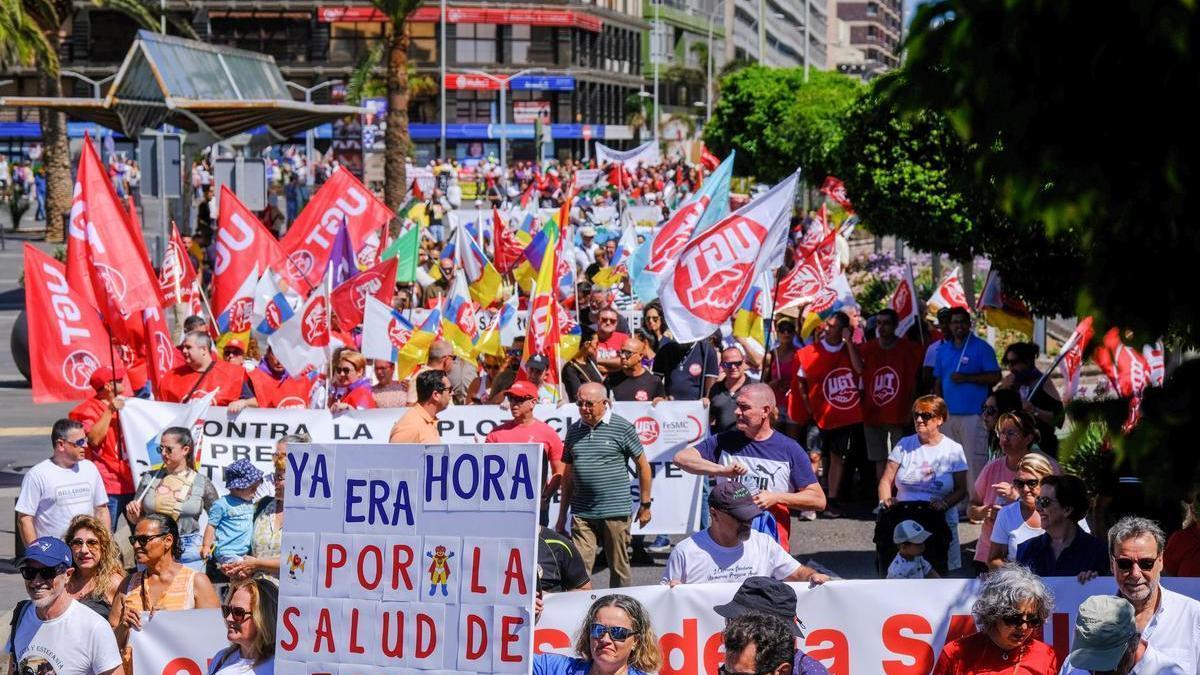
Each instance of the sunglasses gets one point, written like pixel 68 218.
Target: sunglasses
pixel 588 404
pixel 625 353
pixel 518 400
pixel 81 443
pixel 652 317
pixel 240 614
pixel 90 543
pixel 990 410
pixel 730 365
pixel 1031 484
pixel 923 416
pixel 1126 564
pixel 617 633
pixel 48 573
pixel 345 371
pixel 1014 620
pixel 143 539
pixel 603 320
pixel 1042 502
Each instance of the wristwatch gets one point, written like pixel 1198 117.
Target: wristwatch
pixel 646 505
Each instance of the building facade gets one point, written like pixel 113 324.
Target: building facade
pixel 875 28
pixel 587 56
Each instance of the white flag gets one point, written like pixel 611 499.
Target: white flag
pixel 304 341
pixel 718 266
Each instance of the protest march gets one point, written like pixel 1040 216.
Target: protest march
pixel 413 440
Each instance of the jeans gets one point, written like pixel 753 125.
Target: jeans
pixel 116 509
pixel 438 232
pixel 191 550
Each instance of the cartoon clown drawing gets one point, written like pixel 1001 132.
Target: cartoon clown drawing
pixel 295 562
pixel 439 569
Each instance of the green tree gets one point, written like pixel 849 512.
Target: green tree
pixel 396 140
pixel 910 176
pixel 776 121
pixel 1085 104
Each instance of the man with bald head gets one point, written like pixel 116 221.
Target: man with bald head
pixel 633 382
pixel 595 484
pixel 772 465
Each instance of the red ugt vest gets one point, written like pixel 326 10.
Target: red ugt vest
pixel 890 379
pixel 831 385
pixel 226 379
pixel 271 393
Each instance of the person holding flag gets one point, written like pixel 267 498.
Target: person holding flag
pixel 100 417
pixel 275 388
pixel 202 374
pixel 964 371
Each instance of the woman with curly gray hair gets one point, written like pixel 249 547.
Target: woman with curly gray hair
pixel 1012 604
pixel 616 637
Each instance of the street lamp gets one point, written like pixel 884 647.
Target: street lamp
pixel 96 84
pixel 308 135
pixel 502 82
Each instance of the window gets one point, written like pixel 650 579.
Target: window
pixel 872 9
pixel 474 107
pixel 423 44
pixel 350 41
pixel 475 43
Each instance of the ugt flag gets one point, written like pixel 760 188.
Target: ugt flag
pixel 385 331
pixel 904 302
pixel 305 342
pixel 950 292
pixel 717 267
pixel 244 249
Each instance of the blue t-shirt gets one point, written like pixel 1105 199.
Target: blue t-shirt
pixel 557 664
pixel 233 519
pixel 973 358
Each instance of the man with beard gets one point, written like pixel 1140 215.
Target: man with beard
pixel 51 629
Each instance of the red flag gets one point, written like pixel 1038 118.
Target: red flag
pixel 176 276
pixel 161 355
pixel 244 249
pixel 507 249
pixel 904 302
pixel 811 275
pixel 106 260
pixel 417 194
pixel 1127 371
pixel 950 292
pixel 67 338
pixel 709 160
pixel 349 300
pixel 675 234
pixel 836 190
pixel 1071 363
pixel 310 240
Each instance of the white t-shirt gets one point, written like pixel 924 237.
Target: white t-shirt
pixel 77 642
pixel 698 560
pixel 234 664
pixel 1011 529
pixel 54 495
pixel 917 568
pixel 926 472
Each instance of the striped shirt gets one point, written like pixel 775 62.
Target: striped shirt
pixel 599 463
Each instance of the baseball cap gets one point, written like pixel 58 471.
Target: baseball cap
pixel 241 475
pixel 909 532
pixel 235 344
pixel 587 231
pixel 49 551
pixel 103 375
pixel 734 499
pixel 537 361
pixel 523 389
pixel 763 595
pixel 1103 628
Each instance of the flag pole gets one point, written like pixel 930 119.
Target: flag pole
pixel 208 307
pixel 1071 342
pixel 916 303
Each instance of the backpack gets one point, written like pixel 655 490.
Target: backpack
pixel 18 612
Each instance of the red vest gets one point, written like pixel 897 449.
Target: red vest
pixel 890 379
pixel 271 393
pixel 225 378
pixel 832 386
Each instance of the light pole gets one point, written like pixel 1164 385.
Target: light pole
pixel 308 135
pixel 502 82
pixel 95 84
pixel 442 67
pixel 656 56
pixel 712 18
pixel 762 31
pixel 643 94
pixel 807 19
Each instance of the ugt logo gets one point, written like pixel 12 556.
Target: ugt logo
pixel 715 271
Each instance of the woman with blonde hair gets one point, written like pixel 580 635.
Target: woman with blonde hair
pixel 1019 521
pixel 98 570
pixel 250 628
pixel 616 637
pixel 351 388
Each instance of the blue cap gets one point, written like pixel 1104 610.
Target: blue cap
pixel 49 551
pixel 242 474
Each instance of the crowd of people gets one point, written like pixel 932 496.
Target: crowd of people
pixel 930 424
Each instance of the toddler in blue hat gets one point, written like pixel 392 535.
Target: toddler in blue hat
pixel 231 520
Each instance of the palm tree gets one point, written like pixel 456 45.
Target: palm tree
pixel 396 140
pixel 22 42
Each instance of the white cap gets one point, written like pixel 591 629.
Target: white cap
pixel 910 532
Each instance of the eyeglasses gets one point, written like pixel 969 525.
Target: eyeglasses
pixel 168 448
pixel 1042 502
pixel 583 403
pixel 1009 433
pixel 518 400
pixel 240 614
pixel 1031 484
pixel 1014 620
pixel 730 365
pixel 143 539
pixel 1145 564
pixel 923 416
pixel 48 573
pixel 90 543
pixel 617 633
pixel 345 371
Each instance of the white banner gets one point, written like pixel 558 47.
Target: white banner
pixel 663 429
pixel 177 643
pixel 645 154
pixel 853 627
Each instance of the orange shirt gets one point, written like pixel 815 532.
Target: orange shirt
pixel 415 426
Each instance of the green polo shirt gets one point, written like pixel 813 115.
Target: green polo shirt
pixel 599 460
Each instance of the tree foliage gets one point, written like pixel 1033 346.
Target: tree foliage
pixel 1081 148
pixel 777 122
pixel 911 176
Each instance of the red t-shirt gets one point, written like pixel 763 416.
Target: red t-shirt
pixel 890 378
pixel 976 654
pixel 226 379
pixel 536 431
pixel 607 350
pixel 831 384
pixel 1181 557
pixel 271 393
pixel 109 456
